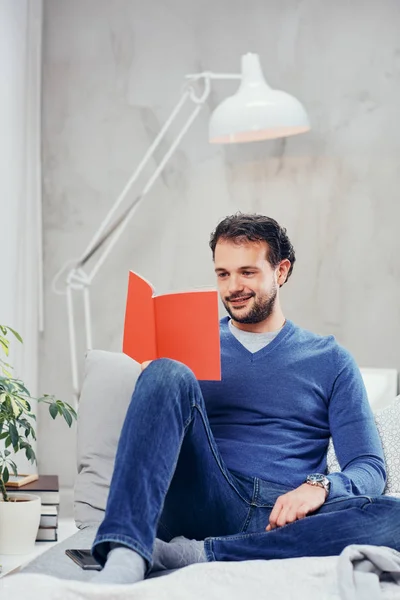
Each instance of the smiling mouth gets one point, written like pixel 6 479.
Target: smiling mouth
pixel 240 301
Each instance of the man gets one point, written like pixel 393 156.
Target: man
pixel 235 469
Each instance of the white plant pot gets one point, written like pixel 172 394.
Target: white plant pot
pixel 19 524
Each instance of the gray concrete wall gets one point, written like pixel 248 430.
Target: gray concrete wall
pixel 112 72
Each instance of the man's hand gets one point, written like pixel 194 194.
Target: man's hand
pixel 296 505
pixel 145 364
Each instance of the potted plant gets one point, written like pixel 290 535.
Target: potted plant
pixel 19 513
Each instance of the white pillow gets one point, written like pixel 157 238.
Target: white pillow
pixel 381 386
pixel 388 424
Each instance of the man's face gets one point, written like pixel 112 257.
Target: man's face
pixel 246 281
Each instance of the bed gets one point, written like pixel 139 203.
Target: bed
pixel 108 382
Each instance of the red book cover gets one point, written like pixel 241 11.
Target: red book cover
pixel 183 326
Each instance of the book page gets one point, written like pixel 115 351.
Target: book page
pixel 20 480
pixel 187 329
pixel 139 328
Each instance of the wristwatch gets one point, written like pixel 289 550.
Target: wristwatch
pixel 320 480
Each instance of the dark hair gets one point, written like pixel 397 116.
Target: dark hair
pixel 256 228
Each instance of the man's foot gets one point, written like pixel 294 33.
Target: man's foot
pixel 123 566
pixel 179 552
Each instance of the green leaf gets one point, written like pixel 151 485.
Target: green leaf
pixel 14 467
pixel 66 416
pixel 4 435
pixel 17 410
pixel 53 410
pixel 7 453
pixel 4 344
pixel 25 423
pixel 71 410
pixel 5 384
pixel 30 454
pixel 18 388
pixel 4 368
pixel 3 329
pixel 16 334
pixel 8 441
pixel 23 404
pixel 24 390
pixel 6 474
pixel 13 435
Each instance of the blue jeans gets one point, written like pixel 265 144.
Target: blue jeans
pixel 169 479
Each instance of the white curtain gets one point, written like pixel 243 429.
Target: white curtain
pixel 21 295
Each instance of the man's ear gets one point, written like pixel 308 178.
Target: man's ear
pixel 282 272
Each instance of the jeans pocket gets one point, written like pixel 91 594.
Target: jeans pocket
pixel 251 488
pixel 246 487
pixel 248 519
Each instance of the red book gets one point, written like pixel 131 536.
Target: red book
pixel 183 326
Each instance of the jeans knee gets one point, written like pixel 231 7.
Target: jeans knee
pixel 167 375
pixel 172 368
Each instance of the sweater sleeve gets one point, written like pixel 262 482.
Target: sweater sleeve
pixel 355 436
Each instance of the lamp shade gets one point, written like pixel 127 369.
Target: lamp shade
pixel 256 112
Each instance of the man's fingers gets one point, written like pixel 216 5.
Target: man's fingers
pixel 295 505
pixel 283 516
pixel 302 511
pixel 145 364
pixel 278 516
pixel 287 514
pixel 275 514
pixel 291 516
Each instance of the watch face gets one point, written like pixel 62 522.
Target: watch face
pixel 316 478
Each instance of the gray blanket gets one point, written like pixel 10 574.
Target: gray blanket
pixel 362 569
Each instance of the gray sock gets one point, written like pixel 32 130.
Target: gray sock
pixel 179 552
pixel 123 566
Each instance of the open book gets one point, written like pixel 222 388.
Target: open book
pixel 183 326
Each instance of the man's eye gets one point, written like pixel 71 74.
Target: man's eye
pixel 221 275
pixel 247 273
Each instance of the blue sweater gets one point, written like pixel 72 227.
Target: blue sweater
pixel 273 412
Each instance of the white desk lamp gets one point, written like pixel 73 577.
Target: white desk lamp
pixel 255 112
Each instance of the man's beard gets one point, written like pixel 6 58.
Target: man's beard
pixel 260 311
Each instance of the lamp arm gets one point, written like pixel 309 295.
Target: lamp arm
pixel 187 93
pixel 132 209
pixel 135 175
pixel 211 75
pixel 77 279
pixel 72 344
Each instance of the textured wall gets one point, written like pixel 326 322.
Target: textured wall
pixel 113 71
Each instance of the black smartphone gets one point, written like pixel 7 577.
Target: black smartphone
pixel 84 559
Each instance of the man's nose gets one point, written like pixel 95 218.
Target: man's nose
pixel 235 284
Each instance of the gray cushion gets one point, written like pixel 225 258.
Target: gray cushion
pixel 109 380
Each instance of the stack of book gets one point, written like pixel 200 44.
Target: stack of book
pixel 47 488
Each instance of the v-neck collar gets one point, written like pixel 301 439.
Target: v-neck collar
pixel 286 330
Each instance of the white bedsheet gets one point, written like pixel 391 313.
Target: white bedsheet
pixel 289 579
